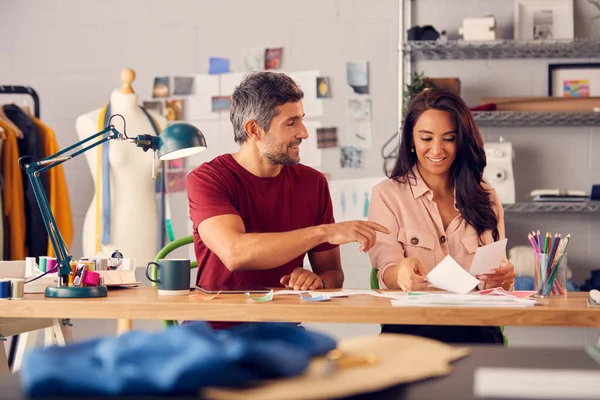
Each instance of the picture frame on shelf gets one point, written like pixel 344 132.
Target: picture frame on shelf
pixel 574 80
pixel 543 20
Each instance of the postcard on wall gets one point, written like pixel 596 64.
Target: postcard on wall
pixel 351 157
pixel 254 58
pixel 323 87
pixel 357 73
pixel 183 85
pixel 221 103
pixel 174 109
pixel 155 107
pixel 273 58
pixel 358 135
pixel 359 110
pixel 327 137
pixel 161 87
pixel 313 106
pixel 542 25
pixel 217 65
pixel 176 181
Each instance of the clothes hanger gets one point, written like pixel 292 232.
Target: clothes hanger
pixel 18 132
pixel 26 109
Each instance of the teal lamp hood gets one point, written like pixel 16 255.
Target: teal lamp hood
pixel 180 140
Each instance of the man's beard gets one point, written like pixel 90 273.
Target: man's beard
pixel 282 158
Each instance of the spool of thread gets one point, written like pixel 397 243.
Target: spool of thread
pixel 42 263
pixel 51 263
pixel 16 288
pixel 4 289
pixel 91 278
pixel 101 264
pixel 72 274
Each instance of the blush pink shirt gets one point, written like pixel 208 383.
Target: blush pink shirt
pixel 409 212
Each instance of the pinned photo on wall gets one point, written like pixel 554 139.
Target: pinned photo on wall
pixel 351 157
pixel 218 65
pixel 254 58
pixel 153 106
pixel 183 85
pixel 359 110
pixel 273 58
pixel 176 181
pixel 161 87
pixel 358 135
pixel 327 137
pixel 177 164
pixel 174 109
pixel 323 88
pixel 357 73
pixel 221 103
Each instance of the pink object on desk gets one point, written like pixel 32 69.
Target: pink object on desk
pixel 91 278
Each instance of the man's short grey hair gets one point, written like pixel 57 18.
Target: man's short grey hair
pixel 257 97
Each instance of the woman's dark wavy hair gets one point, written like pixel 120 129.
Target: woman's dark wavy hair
pixel 466 172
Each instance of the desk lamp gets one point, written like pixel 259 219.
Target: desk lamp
pixel 177 141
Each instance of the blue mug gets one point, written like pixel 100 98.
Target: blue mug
pixel 173 276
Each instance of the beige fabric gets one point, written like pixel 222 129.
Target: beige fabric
pixel 400 359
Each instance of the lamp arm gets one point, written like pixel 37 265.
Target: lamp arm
pixel 34 171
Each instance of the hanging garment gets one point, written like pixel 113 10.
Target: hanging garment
pixel 59 194
pixel 103 208
pixel 13 197
pixel 36 237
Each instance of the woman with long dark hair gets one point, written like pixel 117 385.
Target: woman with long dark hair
pixel 436 203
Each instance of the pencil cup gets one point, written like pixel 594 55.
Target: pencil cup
pixel 550 275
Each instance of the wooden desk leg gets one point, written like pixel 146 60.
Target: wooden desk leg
pixel 123 325
pixel 26 342
pixel 3 358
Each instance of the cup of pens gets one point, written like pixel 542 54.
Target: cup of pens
pixel 550 265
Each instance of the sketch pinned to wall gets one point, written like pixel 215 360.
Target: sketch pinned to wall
pixel 254 58
pixel 199 105
pixel 359 110
pixel 313 106
pixel 183 85
pixel 351 197
pixel 221 103
pixel 543 25
pixel 357 73
pixel 327 137
pixel 176 181
pixel 273 58
pixel 351 157
pixel 218 65
pixel 323 88
pixel 155 107
pixel 174 110
pixel 358 135
pixel 310 154
pixel 161 87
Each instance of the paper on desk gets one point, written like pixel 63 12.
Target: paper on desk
pixel 450 276
pixel 488 257
pixel 536 383
pixel 462 300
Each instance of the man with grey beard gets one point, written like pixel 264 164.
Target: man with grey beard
pixel 257 213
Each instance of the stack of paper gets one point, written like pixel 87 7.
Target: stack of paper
pixel 461 300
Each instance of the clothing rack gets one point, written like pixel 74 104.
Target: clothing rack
pixel 16 89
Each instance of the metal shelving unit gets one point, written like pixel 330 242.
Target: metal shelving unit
pixel 539 207
pixel 537 118
pixel 461 50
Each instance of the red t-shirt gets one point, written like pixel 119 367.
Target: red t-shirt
pixel 296 198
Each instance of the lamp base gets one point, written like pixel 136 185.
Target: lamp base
pixel 67 292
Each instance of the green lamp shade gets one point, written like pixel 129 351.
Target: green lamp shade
pixel 180 140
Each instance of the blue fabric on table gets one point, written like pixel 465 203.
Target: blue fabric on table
pixel 526 283
pixel 178 360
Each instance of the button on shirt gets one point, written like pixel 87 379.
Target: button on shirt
pixel 409 212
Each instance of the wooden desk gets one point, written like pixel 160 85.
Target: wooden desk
pixel 144 303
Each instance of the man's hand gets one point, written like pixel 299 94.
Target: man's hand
pixel 503 276
pixel 411 275
pixel 362 232
pixel 302 279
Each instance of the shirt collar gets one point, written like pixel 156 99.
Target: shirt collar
pixel 420 187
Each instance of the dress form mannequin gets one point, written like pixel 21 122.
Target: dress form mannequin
pixel 134 217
